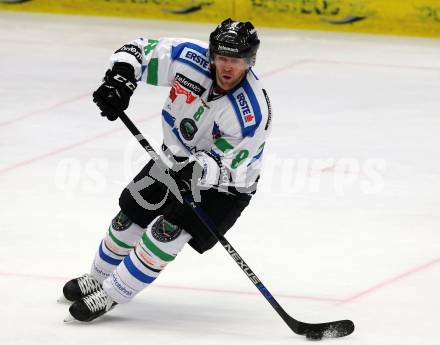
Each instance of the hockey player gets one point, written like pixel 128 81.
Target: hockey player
pixel 215 123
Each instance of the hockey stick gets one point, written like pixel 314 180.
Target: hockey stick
pixel 314 331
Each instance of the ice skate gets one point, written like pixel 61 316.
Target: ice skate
pixel 90 307
pixel 78 288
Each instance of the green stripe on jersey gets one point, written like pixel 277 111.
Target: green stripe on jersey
pixel 156 250
pixel 153 67
pixel 150 46
pixel 223 145
pixel 118 242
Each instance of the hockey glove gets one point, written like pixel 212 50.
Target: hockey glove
pixel 201 169
pixel 113 96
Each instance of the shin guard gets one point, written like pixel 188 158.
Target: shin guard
pixel 160 244
pixel 121 237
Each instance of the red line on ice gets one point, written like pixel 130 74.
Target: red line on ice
pixel 267 74
pixel 55 152
pixel 407 67
pixel 284 68
pixel 85 141
pixel 44 110
pixel 347 300
pixel 391 281
pixel 64 148
pixel 177 287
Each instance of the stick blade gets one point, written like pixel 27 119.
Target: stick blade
pixel 334 329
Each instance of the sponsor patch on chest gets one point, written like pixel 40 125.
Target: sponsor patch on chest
pixel 177 89
pixel 189 84
pixel 186 87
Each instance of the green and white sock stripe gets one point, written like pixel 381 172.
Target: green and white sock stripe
pixel 145 262
pixel 121 242
pixel 112 250
pixel 144 255
pixel 159 244
pixel 145 259
pixel 151 247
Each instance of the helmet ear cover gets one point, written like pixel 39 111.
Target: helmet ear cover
pixel 234 39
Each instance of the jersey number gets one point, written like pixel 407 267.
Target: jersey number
pixel 199 113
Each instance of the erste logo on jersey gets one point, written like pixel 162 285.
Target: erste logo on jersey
pixel 195 57
pixel 185 86
pixel 246 111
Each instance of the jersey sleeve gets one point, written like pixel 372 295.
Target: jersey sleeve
pixel 153 59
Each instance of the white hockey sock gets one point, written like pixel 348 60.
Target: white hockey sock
pixel 121 237
pixel 160 244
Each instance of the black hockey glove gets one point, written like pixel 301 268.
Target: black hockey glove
pixel 113 96
pixel 202 169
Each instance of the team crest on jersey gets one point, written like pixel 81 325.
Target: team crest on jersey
pixel 245 107
pixel 188 128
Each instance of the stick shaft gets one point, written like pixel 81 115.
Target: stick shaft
pixel 187 197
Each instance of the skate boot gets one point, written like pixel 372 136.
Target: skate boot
pixel 90 307
pixel 78 288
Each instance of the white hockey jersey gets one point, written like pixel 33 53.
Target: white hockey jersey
pixel 233 127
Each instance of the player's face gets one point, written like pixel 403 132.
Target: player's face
pixel 229 70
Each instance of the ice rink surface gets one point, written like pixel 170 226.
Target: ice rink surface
pixel 346 223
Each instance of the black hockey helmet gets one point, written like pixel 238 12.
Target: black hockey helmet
pixel 235 39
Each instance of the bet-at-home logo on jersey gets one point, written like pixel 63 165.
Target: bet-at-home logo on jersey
pixel 246 111
pixel 195 57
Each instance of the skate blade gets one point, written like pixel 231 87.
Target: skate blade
pixel 63 300
pixel 69 318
